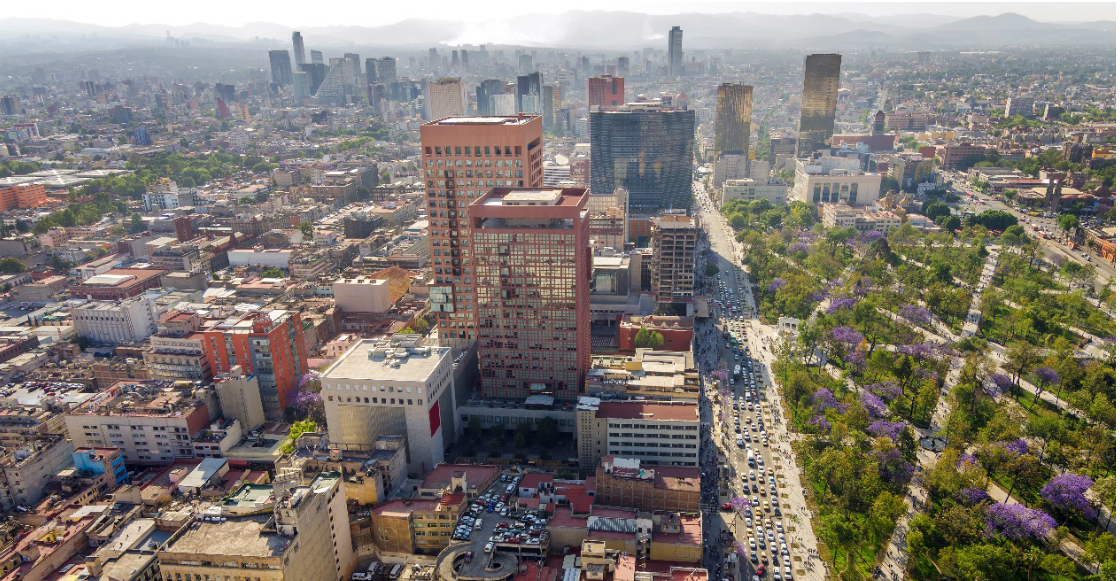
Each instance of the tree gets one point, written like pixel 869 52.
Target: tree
pixel 272 273
pixel 646 339
pixel 11 266
pixel 308 230
pixel 136 224
pixel 933 209
pixel 1066 493
pixel 519 441
pixel 1067 222
pixel 711 269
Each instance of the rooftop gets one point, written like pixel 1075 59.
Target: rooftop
pixel 490 120
pixel 635 410
pixel 240 537
pixel 476 475
pixel 381 360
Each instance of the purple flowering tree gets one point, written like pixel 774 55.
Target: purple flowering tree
pixel 1017 447
pixel 886 429
pixel 916 314
pixel 966 459
pixel 971 496
pixel 824 399
pixel 840 303
pixel 798 248
pixel 776 284
pixel 873 404
pixel 856 360
pixel 306 404
pixel 888 390
pixel 1066 493
pixel 1044 377
pixel 822 425
pixel 1016 522
pixel 998 384
pixel 893 468
pixel 920 351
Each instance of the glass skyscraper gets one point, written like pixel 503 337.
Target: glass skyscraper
pixel 818 103
pixel 676 46
pixel 733 118
pixel 647 149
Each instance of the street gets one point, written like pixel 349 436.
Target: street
pixel 758 511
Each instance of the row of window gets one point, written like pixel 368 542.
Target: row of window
pixel 478 151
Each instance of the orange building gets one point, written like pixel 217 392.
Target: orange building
pixel 465 157
pixel 606 91
pixel 22 196
pixel 266 344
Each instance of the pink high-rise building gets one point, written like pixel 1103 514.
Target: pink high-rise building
pixel 532 254
pixel 606 91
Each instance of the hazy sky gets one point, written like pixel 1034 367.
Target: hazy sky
pixel 378 12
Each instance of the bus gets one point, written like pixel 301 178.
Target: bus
pixel 738 373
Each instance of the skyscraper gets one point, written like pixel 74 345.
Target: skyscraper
pixel 302 81
pixel 387 70
pixel 529 93
pixel 269 344
pixel 818 103
pixel 297 46
pixel 316 73
pixel 506 152
pixel 532 252
pixel 487 89
pixel 355 71
pixel 371 70
pixel 647 149
pixel 606 92
pixel 548 106
pixel 672 270
pixel 733 118
pixel 281 67
pixel 317 57
pixel 446 98
pixel 676 41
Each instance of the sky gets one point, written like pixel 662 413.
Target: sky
pixel 379 12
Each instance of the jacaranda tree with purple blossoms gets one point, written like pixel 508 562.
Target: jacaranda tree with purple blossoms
pixel 1016 522
pixel 1066 493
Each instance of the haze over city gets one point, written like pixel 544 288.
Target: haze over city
pixel 579 292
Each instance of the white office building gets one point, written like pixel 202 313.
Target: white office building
pixel 832 179
pixel 115 322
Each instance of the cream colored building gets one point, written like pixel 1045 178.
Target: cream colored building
pixel 306 535
pixel 392 387
pixel 862 219
pixel 834 179
pixel 115 322
pixel 661 433
pixel 362 295
pixel 446 98
pixel 751 189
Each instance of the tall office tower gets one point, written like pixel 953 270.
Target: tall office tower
pixel 269 344
pixel 676 42
pixel 606 92
pixel 647 149
pixel 818 103
pixel 733 118
pixel 297 46
pixel 371 71
pixel 487 89
pixel 585 66
pixel 387 70
pixel 338 85
pixel 446 98
pixel 433 59
pixel 455 59
pixel 532 252
pixel 623 66
pixel 488 144
pixel 465 59
pixel 673 238
pixel 316 73
pixel 548 106
pixel 317 57
pixel 281 67
pixel 355 70
pixel 529 93
pixel 225 91
pixel 302 82
pixel 525 63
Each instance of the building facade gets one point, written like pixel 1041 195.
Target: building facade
pixel 114 323
pixel 676 51
pixel 818 103
pixel 508 152
pixel 733 118
pixel 662 433
pixel 533 271
pixel 773 191
pixel 446 98
pixel 673 269
pixel 833 180
pixel 606 91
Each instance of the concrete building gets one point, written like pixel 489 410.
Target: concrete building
pixel 149 423
pixel 22 196
pixel 834 179
pixel 446 98
pixel 370 475
pixel 673 269
pixel 730 166
pixel 416 526
pixel 117 284
pixel 362 295
pixel 606 91
pixel 533 270
pixel 305 535
pixel 269 345
pixel 490 143
pixel 26 470
pixel 177 358
pixel 818 103
pixel 239 396
pixel 263 258
pixel 503 104
pixel 733 118
pixel 112 323
pixel 393 387
pixel 608 230
pixel 773 191
pixel 953 155
pixel 910 169
pixel 166 195
pixel 863 219
pixel 1018 105
pixel 662 433
pixel 107 461
pixel 624 482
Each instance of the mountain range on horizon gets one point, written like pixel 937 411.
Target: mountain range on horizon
pixel 590 30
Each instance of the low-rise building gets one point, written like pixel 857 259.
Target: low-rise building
pixel 834 179
pixel 362 295
pixel 114 322
pixel 416 525
pixel 368 476
pixel 624 482
pixel 677 331
pixel 660 433
pixel 117 284
pixel 648 374
pixel 772 190
pixel 26 470
pixel 862 219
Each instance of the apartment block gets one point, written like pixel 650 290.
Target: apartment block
pixel 29 467
pixel 625 482
pixel 463 158
pixel 114 322
pixel 830 179
pixel 22 196
pixel 533 271
pixel 606 91
pixel 418 525
pixel 673 269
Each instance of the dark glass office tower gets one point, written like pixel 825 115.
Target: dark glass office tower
pixel 733 118
pixel 297 45
pixel 529 93
pixel 818 103
pixel 281 67
pixel 646 149
pixel 676 51
pixel 487 89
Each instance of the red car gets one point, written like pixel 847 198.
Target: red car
pixel 761 570
pixel 726 506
